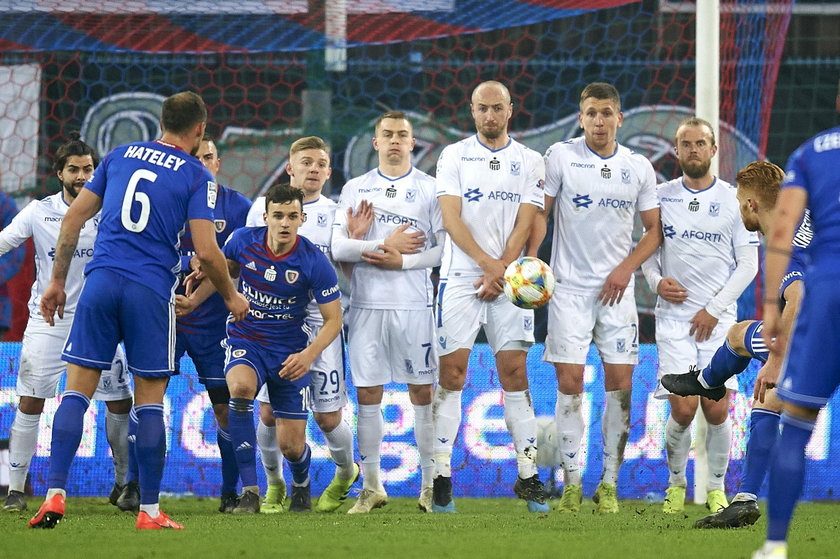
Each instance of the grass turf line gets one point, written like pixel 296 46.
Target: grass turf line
pixel 482 528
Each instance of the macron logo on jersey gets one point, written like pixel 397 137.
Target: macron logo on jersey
pixel 668 231
pixel 582 201
pixel 473 195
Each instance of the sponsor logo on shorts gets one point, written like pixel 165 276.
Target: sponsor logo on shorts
pixel 239 353
pixel 529 323
pixel 442 341
pixel 621 345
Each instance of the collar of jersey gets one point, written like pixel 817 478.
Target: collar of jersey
pixel 387 178
pixel 682 182
pixel 167 144
pixel 598 155
pixel 313 201
pixel 491 150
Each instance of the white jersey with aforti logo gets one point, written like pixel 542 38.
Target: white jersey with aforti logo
pixel 409 199
pixel 701 230
pixel 596 201
pixel 491 185
pixel 320 215
pixel 41 220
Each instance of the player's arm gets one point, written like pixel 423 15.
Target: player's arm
pixel 193 298
pixel 619 279
pixel 86 205
pixel 787 214
pixel 539 228
pixel 493 268
pixel 214 266
pixel 12 236
pixel 706 319
pixel 668 288
pixel 768 375
pixel 298 364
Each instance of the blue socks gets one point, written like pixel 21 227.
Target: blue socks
pixel 724 365
pixel 230 471
pixel 150 451
pixel 243 437
pixel 132 474
pixel 787 475
pixel 300 467
pixel 764 431
pixel 68 424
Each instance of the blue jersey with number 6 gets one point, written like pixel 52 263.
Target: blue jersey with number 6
pixel 148 190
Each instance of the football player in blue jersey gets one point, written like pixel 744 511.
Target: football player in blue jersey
pixel 200 334
pixel 146 191
pixel 279 273
pixel 811 372
pixel 758 188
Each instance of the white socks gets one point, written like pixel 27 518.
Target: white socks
pixel 568 417
pixel 718 443
pixel 116 430
pixel 340 444
pixel 615 427
pixel 447 421
pixel 677 443
pixel 371 430
pixel 22 444
pixel 424 434
pixel 522 425
pixel 269 453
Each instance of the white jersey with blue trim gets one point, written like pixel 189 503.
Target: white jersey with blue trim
pixel 41 220
pixel 596 200
pixel 491 184
pixel 409 199
pixel 320 215
pixel 701 230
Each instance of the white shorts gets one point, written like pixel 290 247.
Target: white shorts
pixel 392 346
pixel 41 365
pixel 461 314
pixel 678 351
pixel 327 380
pixel 574 321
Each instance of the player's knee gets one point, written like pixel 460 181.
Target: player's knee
pixel 771 402
pixel 292 450
pixel 240 389
pixel 736 335
pixel 569 378
pixel 120 407
pixel 683 409
pixel 328 421
pixel 716 412
pixel 31 406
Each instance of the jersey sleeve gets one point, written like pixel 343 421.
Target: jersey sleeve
pixel 741 237
pixel 233 245
pixel 535 187
pixel 648 199
pixel 239 210
pixel 255 213
pixel 203 195
pixel 447 180
pixel 96 183
pixel 324 280
pixel 553 171
pixel 795 173
pixel 345 201
pixel 19 230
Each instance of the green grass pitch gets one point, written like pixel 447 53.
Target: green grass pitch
pixel 483 528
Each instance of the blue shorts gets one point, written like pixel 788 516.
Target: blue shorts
pixel 811 371
pixel 754 343
pixel 207 355
pixel 289 400
pixel 113 308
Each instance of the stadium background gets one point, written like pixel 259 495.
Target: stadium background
pixel 271 72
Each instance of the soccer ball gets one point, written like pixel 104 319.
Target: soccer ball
pixel 547 442
pixel 529 282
